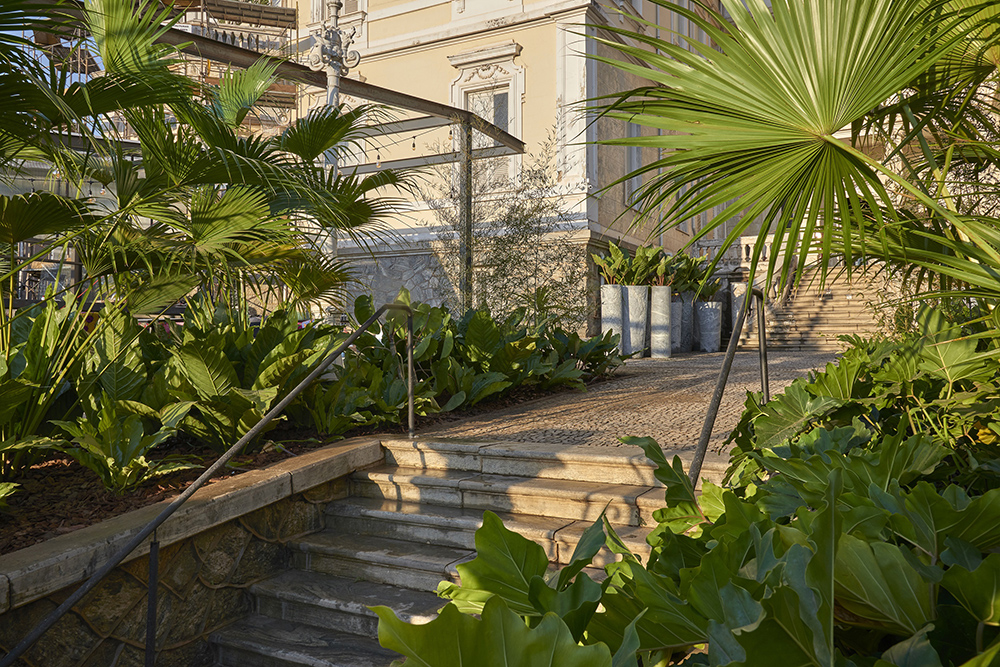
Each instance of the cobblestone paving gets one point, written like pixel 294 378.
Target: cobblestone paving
pixel 663 398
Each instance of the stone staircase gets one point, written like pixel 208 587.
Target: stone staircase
pixel 409 522
pixel 811 318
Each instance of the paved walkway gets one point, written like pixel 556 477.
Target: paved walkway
pixel 663 398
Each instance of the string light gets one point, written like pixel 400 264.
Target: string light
pixel 378 161
pixel 103 191
pixel 414 142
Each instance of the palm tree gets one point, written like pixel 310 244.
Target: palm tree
pixel 858 129
pixel 196 207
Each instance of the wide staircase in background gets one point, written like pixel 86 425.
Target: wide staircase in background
pixel 811 318
pixel 409 522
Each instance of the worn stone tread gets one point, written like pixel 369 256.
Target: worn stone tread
pixel 258 641
pixel 374 549
pixel 378 516
pixel 340 596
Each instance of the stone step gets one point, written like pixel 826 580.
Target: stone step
pixel 258 641
pixel 455 526
pixel 338 603
pixel 564 499
pixel 618 465
pixel 378 559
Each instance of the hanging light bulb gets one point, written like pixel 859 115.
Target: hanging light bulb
pixel 450 137
pixel 378 161
pixel 103 191
pixel 414 143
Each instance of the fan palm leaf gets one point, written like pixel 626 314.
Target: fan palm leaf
pixel 755 126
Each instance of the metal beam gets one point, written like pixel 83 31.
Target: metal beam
pixel 205 47
pixel 405 126
pixel 427 160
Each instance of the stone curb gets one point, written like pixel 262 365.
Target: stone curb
pixel 41 569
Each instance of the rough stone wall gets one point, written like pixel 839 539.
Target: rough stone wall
pixel 203 584
pixel 384 275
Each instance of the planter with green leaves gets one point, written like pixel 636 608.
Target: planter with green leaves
pixel 682 274
pixel 612 298
pixel 632 276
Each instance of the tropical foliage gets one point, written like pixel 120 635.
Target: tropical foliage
pixel 193 206
pixel 853 129
pixel 457 363
pixel 860 525
pixel 859 529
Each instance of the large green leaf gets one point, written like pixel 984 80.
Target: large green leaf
pixel 499 639
pixel 207 368
pixel 748 124
pixel 977 590
pixel 790 413
pixel 878 587
pixel 504 566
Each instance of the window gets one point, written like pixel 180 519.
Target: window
pixel 491 85
pixel 492 105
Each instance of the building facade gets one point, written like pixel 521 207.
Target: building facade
pixel 528 66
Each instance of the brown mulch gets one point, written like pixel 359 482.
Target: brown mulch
pixel 59 495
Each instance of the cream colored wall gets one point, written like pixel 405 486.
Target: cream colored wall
pixel 405 46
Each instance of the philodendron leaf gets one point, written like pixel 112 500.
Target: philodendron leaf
pixel 498 639
pixel 679 489
pixel 590 543
pixel 914 652
pixel 876 584
pixel 626 656
pixel 575 605
pixel 789 413
pixel 504 565
pixel 977 590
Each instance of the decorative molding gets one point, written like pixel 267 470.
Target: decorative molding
pixel 490 55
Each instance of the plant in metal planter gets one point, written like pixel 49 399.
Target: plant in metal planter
pixel 708 312
pixel 634 274
pixel 682 273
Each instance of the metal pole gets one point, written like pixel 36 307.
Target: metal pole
pixel 409 371
pixel 151 584
pixel 762 344
pixel 465 214
pixel 720 387
pixel 331 53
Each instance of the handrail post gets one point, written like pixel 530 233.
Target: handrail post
pixel 409 372
pixel 152 582
pixel 762 345
pixel 713 405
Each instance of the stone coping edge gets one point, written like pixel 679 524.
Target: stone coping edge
pixel 36 571
pixel 626 455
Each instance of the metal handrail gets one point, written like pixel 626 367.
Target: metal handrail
pixel 720 387
pixel 151 527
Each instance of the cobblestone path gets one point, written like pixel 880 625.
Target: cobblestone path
pixel 663 398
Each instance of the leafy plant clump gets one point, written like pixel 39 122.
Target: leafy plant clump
pixel 932 382
pixel 842 555
pixel 457 362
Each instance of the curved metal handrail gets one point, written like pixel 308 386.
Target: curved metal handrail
pixel 151 527
pixel 720 386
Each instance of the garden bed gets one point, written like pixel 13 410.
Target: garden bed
pixel 59 496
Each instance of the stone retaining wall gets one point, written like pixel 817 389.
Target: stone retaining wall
pixel 203 574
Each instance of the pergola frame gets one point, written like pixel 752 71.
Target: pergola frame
pixel 437 115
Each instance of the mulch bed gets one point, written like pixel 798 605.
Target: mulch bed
pixel 59 495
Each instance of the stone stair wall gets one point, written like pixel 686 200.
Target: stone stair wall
pixel 409 523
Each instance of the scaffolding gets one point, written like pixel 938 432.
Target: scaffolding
pixel 268 29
